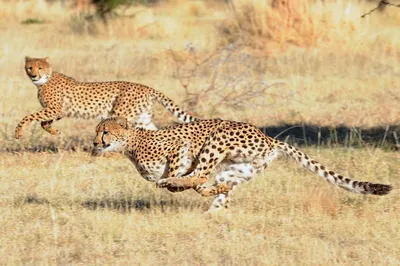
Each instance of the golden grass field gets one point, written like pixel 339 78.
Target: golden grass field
pixel 329 67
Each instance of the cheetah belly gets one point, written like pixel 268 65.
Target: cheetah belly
pixel 152 172
pixel 156 170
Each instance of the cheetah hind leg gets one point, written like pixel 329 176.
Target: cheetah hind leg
pixel 230 178
pixel 145 121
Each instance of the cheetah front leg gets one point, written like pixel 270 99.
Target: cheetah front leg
pixel 217 189
pixel 209 158
pixel 179 164
pixel 207 162
pixel 45 116
pixel 176 184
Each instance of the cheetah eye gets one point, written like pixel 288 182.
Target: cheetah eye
pixel 40 68
pixel 105 132
pixel 29 68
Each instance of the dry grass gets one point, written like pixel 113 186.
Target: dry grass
pixel 346 73
pixel 68 208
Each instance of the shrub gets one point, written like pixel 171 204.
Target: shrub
pixel 106 8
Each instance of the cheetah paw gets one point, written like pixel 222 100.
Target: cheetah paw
pixel 175 189
pixel 170 185
pixel 162 183
pixel 54 132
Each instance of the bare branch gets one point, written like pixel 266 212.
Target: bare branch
pixel 229 78
pixel 381 4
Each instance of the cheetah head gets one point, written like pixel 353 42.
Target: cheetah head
pixel 111 135
pixel 38 70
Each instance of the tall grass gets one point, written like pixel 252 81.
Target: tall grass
pixel 68 208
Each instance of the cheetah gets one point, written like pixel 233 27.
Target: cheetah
pixel 183 156
pixel 62 96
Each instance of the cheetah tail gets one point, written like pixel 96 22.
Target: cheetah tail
pixel 330 176
pixel 173 108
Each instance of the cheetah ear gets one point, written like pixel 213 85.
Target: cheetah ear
pixel 46 59
pixel 122 122
pixel 27 58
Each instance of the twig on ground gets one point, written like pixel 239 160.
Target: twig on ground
pixel 380 5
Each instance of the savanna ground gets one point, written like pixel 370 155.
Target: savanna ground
pixel 316 64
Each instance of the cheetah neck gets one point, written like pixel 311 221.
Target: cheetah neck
pixel 59 75
pixel 53 79
pixel 135 137
pixel 116 146
pixel 43 80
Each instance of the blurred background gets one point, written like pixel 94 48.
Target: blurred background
pixel 264 62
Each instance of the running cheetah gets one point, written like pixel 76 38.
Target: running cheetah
pixel 183 156
pixel 62 96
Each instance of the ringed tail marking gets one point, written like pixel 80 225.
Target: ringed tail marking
pixel 355 186
pixel 173 108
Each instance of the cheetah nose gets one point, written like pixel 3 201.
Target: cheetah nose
pixel 95 144
pixel 34 76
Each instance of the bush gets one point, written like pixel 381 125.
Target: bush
pixel 106 8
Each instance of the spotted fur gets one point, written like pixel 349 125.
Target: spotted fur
pixel 184 156
pixel 62 96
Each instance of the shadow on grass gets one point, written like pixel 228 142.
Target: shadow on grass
pixel 50 144
pixel 387 137
pixel 125 204
pixel 34 199
pixel 145 204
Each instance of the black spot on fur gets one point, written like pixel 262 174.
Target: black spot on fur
pixel 379 189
